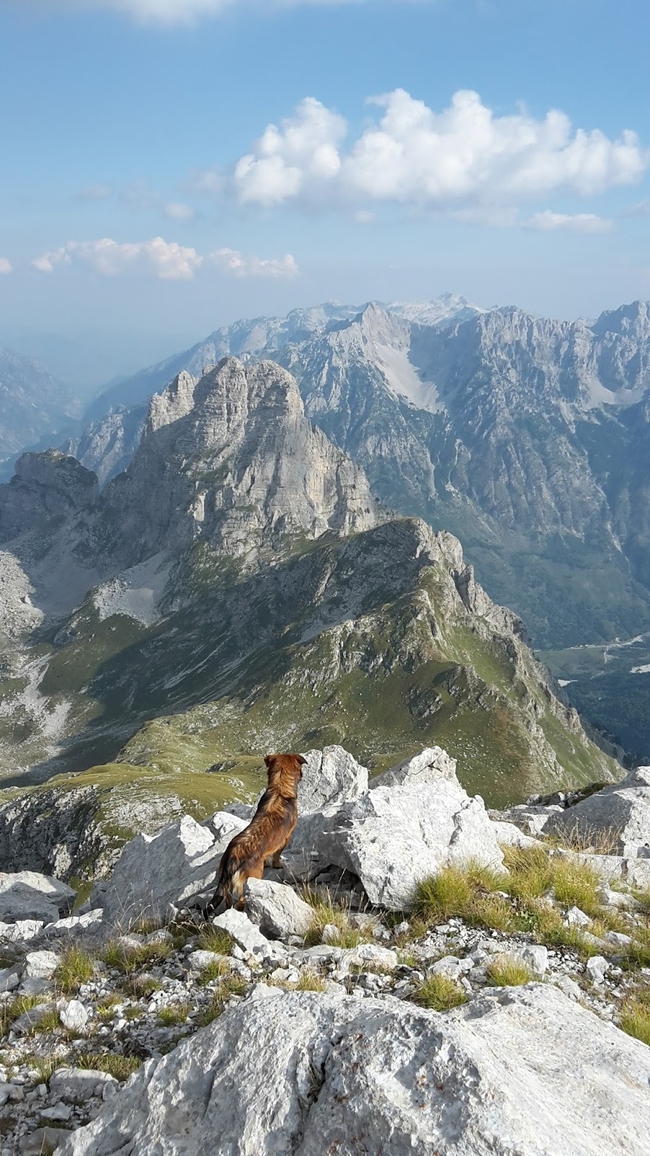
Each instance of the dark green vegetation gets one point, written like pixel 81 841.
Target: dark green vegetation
pixel 610 685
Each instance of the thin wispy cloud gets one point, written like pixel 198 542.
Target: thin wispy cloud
pixel 175 12
pixel 164 260
pixel 5 266
pixel 549 222
pixel 462 156
pixel 95 193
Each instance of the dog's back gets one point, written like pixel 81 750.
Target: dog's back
pixel 266 835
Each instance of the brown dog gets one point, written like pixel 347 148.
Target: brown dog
pixel 265 837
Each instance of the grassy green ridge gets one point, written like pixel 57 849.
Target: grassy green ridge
pixel 363 642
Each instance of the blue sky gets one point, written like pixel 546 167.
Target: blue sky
pixel 144 200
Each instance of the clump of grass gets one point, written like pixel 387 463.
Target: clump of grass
pixel 465 893
pixel 121 1067
pixel 129 959
pixel 440 993
pixel 105 1010
pixel 213 971
pixel 638 953
pixel 172 1016
pixel 76 968
pixel 309 981
pixel 11 1011
pixel 328 913
pixel 576 884
pixel 146 926
pixel 587 839
pixel 215 939
pixel 529 872
pixel 635 1016
pixel 141 986
pixel 508 971
pixel 45 1065
pixel 50 1022
pixel 230 985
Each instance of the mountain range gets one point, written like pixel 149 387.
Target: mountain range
pixel 238 589
pixel 34 407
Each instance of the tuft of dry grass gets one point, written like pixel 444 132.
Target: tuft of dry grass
pixel 329 913
pixel 130 959
pixel 508 971
pixel 466 893
pixel 439 993
pixel 121 1067
pixel 215 939
pixel 635 1014
pixel 230 985
pixel 174 1015
pixel 214 970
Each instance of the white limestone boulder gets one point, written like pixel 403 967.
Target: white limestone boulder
pixel 277 909
pixel 26 895
pixel 429 766
pixel 394 836
pixel 156 873
pixel 521 1070
pixel 620 813
pixel 330 776
pixel 80 1083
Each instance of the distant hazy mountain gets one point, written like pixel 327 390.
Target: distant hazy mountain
pixel 34 406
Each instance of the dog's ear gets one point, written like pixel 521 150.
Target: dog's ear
pixel 301 759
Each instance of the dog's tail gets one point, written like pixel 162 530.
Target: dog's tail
pixel 229 890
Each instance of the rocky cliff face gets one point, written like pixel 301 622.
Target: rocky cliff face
pixel 44 487
pixel 526 437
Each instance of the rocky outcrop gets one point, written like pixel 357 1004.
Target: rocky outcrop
pixel 329 777
pixel 156 874
pixel 619 812
pixel 394 836
pixel 30 895
pixel 45 486
pixel 523 1070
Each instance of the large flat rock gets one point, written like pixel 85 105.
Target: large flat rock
pixel 30 895
pixel 519 1070
pixel 394 836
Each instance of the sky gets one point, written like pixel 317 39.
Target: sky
pixel 172 165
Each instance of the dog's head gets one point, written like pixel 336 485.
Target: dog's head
pixel 285 771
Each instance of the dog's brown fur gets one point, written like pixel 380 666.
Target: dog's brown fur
pixel 265 837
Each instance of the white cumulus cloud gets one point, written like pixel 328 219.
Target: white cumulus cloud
pixel 233 262
pixel 178 211
pixel 463 155
pixel 549 222
pixel 165 260
pixel 5 266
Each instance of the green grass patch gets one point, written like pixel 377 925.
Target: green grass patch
pixel 508 971
pixel 121 1067
pixel 174 1015
pixel 439 993
pixel 229 986
pixel 76 968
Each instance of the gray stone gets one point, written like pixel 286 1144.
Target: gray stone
pixel 21 931
pixel 40 964
pixel 568 986
pixel 393 837
pixel 42 1142
pixel 535 956
pixel 73 1015
pixel 57 1112
pixel 198 960
pixel 242 930
pixel 597 967
pixel 576 918
pixel 277 909
pixel 79 1083
pixel 451 966
pixel 158 873
pixel 9 979
pixel 329 777
pixel 620 812
pixel 75 924
pixel 28 895
pixel 429 766
pixel 519 1070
